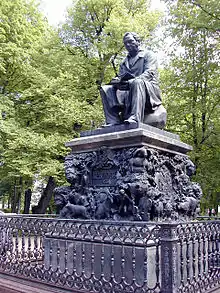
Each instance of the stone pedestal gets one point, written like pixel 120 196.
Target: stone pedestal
pixel 128 172
pixel 128 135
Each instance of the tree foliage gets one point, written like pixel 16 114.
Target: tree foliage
pixel 96 29
pixel 21 29
pixel 191 85
pixel 49 82
pixel 49 89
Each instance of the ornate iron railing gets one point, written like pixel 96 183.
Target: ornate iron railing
pixel 96 256
pixel 199 256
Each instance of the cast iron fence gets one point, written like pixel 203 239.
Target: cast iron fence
pixel 111 257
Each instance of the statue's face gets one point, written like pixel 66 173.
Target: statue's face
pixel 131 44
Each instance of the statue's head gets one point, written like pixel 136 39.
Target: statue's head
pixel 132 42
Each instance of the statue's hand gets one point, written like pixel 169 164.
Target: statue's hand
pixel 130 81
pixel 115 80
pixel 125 85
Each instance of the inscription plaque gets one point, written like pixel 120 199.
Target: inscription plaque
pixel 104 177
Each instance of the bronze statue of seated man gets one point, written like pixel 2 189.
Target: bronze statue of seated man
pixel 134 96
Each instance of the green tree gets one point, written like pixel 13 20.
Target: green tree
pixel 96 28
pixel 209 16
pixel 53 93
pixel 21 29
pixel 44 115
pixel 191 87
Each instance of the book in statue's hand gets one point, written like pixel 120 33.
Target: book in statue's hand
pixel 126 76
pixel 122 79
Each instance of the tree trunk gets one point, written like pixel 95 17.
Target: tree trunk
pixel 15 205
pixel 13 200
pixel 19 192
pixel 27 201
pixel 45 198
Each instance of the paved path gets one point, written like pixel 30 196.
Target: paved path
pixel 7 290
pixel 9 284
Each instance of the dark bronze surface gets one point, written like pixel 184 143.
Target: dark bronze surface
pixel 130 183
pixel 134 94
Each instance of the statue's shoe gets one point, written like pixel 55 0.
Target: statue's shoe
pixel 109 125
pixel 130 121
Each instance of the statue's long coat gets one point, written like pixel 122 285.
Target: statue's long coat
pixel 140 100
pixel 145 67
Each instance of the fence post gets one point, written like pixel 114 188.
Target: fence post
pixel 169 258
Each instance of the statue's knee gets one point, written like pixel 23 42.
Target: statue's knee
pixel 137 82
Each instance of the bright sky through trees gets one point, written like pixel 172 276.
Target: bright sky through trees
pixel 55 9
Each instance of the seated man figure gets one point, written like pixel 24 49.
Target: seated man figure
pixel 135 93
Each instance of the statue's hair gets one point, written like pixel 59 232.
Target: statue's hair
pixel 134 35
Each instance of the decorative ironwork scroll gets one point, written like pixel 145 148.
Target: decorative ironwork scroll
pixel 106 256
